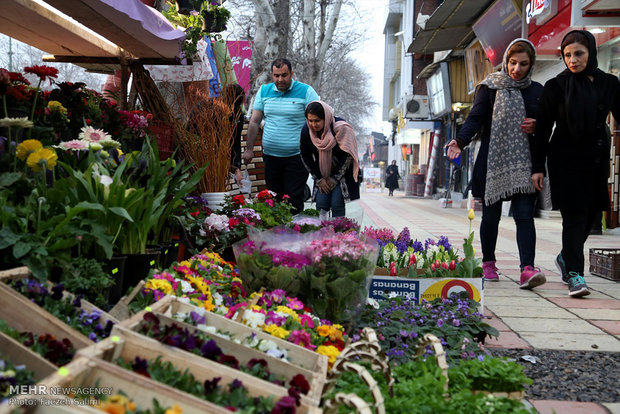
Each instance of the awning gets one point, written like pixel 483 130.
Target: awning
pixel 132 25
pixel 449 27
pixel 412 132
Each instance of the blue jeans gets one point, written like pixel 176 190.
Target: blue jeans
pixel 523 214
pixel 333 200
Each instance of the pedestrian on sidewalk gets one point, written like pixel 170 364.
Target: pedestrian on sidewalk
pixel 577 102
pixel 328 149
pixel 504 116
pixel 392 177
pixel 282 104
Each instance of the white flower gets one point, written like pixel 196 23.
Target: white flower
pixel 208 329
pixel 372 302
pixel 91 134
pixel 180 316
pixel 277 353
pixel 74 145
pixel 109 143
pixel 252 341
pixel 217 299
pixel 16 122
pixel 183 299
pixel 266 344
pixel 217 222
pixel 186 287
pixel 253 319
pixel 392 295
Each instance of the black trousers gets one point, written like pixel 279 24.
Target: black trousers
pixel 287 176
pixel 576 226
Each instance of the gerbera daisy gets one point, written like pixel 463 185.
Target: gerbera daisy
pixel 91 134
pixel 16 122
pixel 42 157
pixel 73 145
pixel 43 72
pixel 26 147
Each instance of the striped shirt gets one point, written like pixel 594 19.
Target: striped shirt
pixel 284 116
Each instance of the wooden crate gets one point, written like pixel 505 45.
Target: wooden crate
pixel 605 263
pixel 18 354
pixel 243 354
pixel 91 372
pixel 298 355
pixel 127 344
pixel 24 315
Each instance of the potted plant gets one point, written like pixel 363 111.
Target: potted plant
pixel 214 17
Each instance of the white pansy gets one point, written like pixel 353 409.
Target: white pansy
pixel 209 329
pixel 186 287
pixel 180 316
pixel 253 319
pixel 218 299
pixel 183 299
pixel 266 344
pixel 372 302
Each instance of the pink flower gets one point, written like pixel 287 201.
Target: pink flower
pixel 306 321
pixel 269 202
pixel 91 134
pixel 301 338
pixel 295 303
pixel 75 145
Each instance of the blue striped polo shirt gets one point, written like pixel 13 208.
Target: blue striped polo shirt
pixel 284 116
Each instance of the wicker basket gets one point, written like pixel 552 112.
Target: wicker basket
pixel 605 263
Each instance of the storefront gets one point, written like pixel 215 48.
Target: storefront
pixel 547 23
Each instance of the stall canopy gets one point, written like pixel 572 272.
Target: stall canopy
pixel 449 27
pixel 95 34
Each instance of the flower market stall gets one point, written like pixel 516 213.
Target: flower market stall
pixel 122 289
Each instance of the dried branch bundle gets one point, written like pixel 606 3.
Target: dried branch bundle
pixel 206 137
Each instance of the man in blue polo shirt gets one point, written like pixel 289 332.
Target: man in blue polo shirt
pixel 282 104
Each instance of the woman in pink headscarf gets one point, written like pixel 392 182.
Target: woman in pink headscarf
pixel 329 151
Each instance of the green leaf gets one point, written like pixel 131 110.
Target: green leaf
pixel 7 237
pixel 20 249
pixel 8 179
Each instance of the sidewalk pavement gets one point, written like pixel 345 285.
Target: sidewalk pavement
pixel 560 322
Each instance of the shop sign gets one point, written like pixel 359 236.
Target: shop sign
pixel 543 10
pixel 499 26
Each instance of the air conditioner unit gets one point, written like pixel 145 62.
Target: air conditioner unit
pixel 416 107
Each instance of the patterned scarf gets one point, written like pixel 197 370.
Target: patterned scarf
pixel 509 163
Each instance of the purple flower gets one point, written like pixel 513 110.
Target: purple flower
pixel 235 384
pixel 439 323
pixel 211 385
pixel 210 350
pixel 197 318
pixel 443 241
pixel 417 247
pixel 57 291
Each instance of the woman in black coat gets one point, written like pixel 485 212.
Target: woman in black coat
pixel 328 149
pixel 504 109
pixel 577 102
pixel 392 176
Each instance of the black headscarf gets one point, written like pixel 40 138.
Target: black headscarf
pixel 579 92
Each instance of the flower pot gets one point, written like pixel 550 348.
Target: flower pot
pixel 115 267
pixel 214 201
pixel 213 24
pixel 184 6
pixel 137 267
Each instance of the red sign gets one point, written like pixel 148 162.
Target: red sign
pixel 241 56
pixel 537 6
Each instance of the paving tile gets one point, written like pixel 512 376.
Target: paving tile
pixel 575 326
pixel 551 285
pixel 534 302
pixel 614 408
pixel 556 293
pixel 567 407
pixel 512 291
pixel 585 303
pixel 611 327
pixel 525 312
pixel 498 324
pixel 507 340
pixel 572 342
pixel 602 314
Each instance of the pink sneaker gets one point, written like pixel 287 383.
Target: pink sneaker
pixel 490 271
pixel 531 277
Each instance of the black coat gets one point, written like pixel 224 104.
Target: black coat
pixel 578 165
pixel 342 165
pixel 391 180
pixel 480 116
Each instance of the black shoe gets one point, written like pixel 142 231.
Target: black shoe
pixel 577 287
pixel 559 262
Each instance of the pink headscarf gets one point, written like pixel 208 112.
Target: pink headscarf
pixel 345 138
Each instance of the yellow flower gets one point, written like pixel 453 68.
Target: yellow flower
pixel 330 351
pixel 174 410
pixel 40 158
pixel 26 147
pixel 324 330
pixel 276 331
pixel 56 106
pixel 159 284
pixel 287 310
pixel 471 214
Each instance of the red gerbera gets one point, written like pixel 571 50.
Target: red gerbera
pixel 18 77
pixel 43 72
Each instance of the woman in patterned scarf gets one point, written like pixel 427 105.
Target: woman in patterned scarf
pixel 329 151
pixel 504 110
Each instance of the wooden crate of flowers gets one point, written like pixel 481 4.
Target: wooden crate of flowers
pixel 111 381
pixel 297 355
pixel 20 309
pixel 18 354
pixel 146 356
pixel 162 328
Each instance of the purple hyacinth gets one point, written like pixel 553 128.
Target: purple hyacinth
pixel 443 241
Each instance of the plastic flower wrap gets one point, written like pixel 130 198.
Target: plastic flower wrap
pixel 273 259
pixel 337 280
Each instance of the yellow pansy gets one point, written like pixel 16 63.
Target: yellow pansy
pixel 331 352
pixel 159 284
pixel 27 147
pixel 174 410
pixel 324 330
pixel 40 158
pixel 276 331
